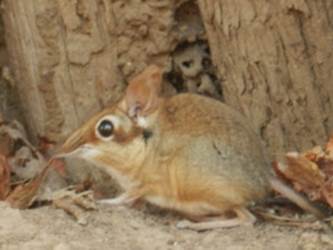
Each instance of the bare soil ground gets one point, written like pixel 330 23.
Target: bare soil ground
pixel 128 228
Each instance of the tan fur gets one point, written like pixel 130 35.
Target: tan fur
pixel 201 159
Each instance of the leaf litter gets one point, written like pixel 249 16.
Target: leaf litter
pixel 24 171
pixel 310 172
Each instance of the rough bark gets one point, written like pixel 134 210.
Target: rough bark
pixel 56 48
pixel 64 65
pixel 276 60
pixel 9 101
pixel 70 58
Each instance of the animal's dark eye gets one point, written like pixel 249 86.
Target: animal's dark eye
pixel 187 64
pixel 105 128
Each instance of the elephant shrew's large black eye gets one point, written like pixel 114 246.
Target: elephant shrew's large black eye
pixel 105 128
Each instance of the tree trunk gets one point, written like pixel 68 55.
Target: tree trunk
pixel 63 60
pixel 276 62
pixel 72 57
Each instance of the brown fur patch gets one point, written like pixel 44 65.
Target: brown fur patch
pixel 122 137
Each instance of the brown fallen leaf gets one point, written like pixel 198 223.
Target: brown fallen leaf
pixel 314 154
pixel 304 175
pixel 25 194
pixel 6 144
pixel 327 191
pixel 326 166
pixel 4 177
pixel 20 185
pixel 310 172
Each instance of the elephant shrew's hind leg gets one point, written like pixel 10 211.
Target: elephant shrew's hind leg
pixel 243 217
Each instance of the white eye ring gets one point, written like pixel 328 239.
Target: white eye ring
pixel 105 127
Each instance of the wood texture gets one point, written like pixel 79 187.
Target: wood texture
pixel 72 57
pixel 276 61
pixel 63 60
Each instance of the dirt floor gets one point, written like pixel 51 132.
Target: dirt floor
pixel 128 228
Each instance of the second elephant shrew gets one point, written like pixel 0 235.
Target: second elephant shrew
pixel 186 153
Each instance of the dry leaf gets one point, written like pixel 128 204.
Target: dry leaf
pixel 304 174
pixel 327 192
pixel 326 166
pixel 314 154
pixel 26 163
pixel 4 177
pixel 6 144
pixel 310 172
